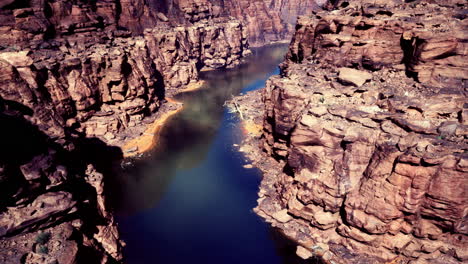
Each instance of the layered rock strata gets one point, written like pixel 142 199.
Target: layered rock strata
pixel 74 77
pixel 53 207
pixel 268 21
pixel 33 22
pixel 102 89
pixel 365 135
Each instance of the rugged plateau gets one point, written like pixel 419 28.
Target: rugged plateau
pixel 364 137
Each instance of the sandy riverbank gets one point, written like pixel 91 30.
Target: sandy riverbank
pixel 250 118
pixel 149 138
pixel 193 86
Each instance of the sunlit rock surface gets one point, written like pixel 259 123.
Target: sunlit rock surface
pixel 107 87
pixel 367 126
pixel 268 21
pixel 74 77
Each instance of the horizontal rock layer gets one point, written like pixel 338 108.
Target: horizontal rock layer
pixel 102 88
pixel 73 78
pixel 368 124
pixel 51 196
pixel 33 22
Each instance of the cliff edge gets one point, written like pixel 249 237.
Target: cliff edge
pixel 364 134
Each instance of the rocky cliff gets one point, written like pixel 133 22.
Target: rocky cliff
pixel 80 62
pixel 32 22
pixel 75 76
pixel 102 88
pixel 365 134
pixel 268 21
pixel 53 206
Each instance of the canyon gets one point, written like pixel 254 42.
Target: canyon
pixel 363 136
pixel 78 80
pixel 363 144
pixel 74 77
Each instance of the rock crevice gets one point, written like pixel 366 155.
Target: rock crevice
pixel 367 128
pixel 75 77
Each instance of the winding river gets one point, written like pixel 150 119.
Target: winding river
pixel 191 199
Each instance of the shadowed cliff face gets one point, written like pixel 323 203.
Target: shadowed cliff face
pixel 368 124
pixel 52 196
pixel 73 76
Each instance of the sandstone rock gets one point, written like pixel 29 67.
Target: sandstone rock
pixel 17 59
pixel 162 17
pixel 35 258
pixel 92 69
pixel 303 252
pixel 108 237
pixel 372 172
pixel 37 22
pixel 282 216
pixel 352 76
pixel 116 78
pixel 45 208
pixel 269 21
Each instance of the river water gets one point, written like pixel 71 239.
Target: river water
pixel 190 200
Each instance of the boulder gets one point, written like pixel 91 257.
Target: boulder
pixel 353 76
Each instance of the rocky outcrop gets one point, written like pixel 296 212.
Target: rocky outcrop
pixel 74 76
pixel 181 52
pixel 50 203
pixel 385 35
pixel 367 127
pixel 33 22
pixel 268 21
pixel 102 89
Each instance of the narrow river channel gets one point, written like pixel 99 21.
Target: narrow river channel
pixel 190 200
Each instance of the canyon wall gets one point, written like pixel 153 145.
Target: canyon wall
pixel 52 201
pixel 32 22
pixel 91 75
pixel 102 88
pixel 367 125
pixel 74 77
pixel 268 21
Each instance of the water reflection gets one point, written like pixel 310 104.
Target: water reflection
pixel 190 200
pixel 186 139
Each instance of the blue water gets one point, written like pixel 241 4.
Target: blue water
pixel 191 200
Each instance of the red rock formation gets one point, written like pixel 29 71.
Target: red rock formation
pixel 71 71
pixel 50 204
pixel 268 21
pixel 103 89
pixel 100 80
pixel 368 126
pixel 25 24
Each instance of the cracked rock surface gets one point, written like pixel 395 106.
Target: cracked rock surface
pixel 75 78
pixel 364 142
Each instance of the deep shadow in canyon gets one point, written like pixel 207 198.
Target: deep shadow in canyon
pixel 190 199
pixel 32 165
pixel 184 142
